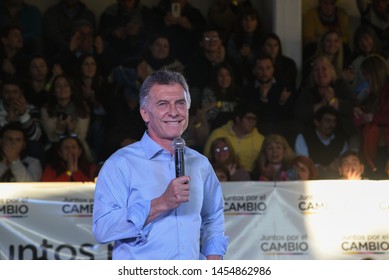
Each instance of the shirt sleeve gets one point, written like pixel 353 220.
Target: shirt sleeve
pixel 300 146
pixel 113 219
pixel 212 228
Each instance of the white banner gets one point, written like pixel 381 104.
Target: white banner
pixel 291 220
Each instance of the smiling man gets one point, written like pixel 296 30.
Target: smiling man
pixel 141 206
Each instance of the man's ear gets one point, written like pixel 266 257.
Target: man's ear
pixel 144 114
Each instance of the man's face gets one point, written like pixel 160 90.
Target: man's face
pixel 11 93
pixel 166 113
pixel 211 41
pixel 247 123
pixel 160 48
pixel 327 7
pixel 322 74
pixel 38 69
pixel 351 167
pixel 14 39
pixel 326 125
pixel 264 70
pixel 13 139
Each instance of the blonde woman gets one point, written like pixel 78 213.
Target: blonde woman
pixel 274 159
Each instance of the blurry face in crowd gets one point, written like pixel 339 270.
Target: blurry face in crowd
pixel 62 89
pixel 351 164
pixel 38 69
pixel 302 171
pixel 381 6
pixel 366 44
pixel 332 44
pixel 69 149
pixel 327 7
pixel 247 123
pixel 86 38
pixel 14 40
pixel 221 152
pixel 224 78
pixel 264 70
pixel 211 41
pixel 11 93
pixel 249 24
pixel 89 67
pixel 326 125
pixel 271 47
pixel 160 48
pixel 13 139
pixel 322 74
pixel 274 153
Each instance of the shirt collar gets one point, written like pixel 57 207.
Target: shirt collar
pixel 151 148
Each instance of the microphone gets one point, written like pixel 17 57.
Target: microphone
pixel 179 145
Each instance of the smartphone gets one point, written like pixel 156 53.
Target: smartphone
pixel 176 10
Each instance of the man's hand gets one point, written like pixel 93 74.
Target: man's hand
pixel 176 193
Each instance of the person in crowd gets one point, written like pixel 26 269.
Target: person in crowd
pixel 221 97
pixel 285 68
pixel 223 14
pixel 39 78
pixel 66 113
pixel 242 133
pixel 15 164
pixel 305 168
pixel 330 46
pixel 323 143
pixel 351 166
pixel 198 129
pixel 97 92
pixel 68 163
pixel 375 14
pixel 273 98
pixel 325 89
pixel 13 59
pixel 200 67
pixel 85 41
pixel 28 18
pixel 124 124
pixel 274 159
pixel 317 20
pixel 183 24
pixel 366 43
pixel 15 109
pixel 140 215
pixel 222 153
pixel 244 43
pixel 125 26
pixel 157 56
pixel 58 24
pixel 373 115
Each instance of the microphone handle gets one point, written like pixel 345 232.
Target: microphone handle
pixel 179 160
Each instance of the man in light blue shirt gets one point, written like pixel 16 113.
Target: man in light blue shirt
pixel 140 204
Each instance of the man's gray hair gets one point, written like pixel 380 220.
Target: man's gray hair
pixel 163 77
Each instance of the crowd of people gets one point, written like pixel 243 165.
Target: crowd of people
pixel 70 81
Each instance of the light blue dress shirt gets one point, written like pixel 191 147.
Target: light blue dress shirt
pixel 135 175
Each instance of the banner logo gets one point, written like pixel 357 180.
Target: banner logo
pixel 377 244
pixel 77 207
pixel 245 205
pixel 14 207
pixel 282 245
pixel 308 205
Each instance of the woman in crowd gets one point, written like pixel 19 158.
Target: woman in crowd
pixel 326 90
pixel 39 81
pixel 373 115
pixel 222 153
pixel 65 112
pixel 285 68
pixel 220 99
pixel 68 162
pixel 274 159
pixel 305 168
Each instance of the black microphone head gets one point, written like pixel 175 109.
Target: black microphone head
pixel 179 143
